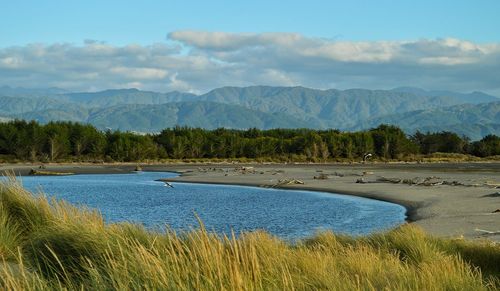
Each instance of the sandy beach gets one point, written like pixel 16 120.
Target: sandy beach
pixel 446 200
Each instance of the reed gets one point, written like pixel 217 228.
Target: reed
pixel 51 245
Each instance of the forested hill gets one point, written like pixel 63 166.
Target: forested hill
pixel 255 106
pixel 125 96
pixel 154 118
pixel 331 108
pixel 474 97
pixel 472 120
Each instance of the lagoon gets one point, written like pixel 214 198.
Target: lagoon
pixel 289 214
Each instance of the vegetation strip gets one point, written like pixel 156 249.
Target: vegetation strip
pixel 63 141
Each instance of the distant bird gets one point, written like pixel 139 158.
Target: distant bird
pixel 167 184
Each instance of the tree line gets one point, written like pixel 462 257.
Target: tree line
pixel 60 141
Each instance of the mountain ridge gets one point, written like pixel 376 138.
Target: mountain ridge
pixel 154 118
pixel 236 106
pixel 458 118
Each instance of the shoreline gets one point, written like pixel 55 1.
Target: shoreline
pixel 444 210
pixel 410 207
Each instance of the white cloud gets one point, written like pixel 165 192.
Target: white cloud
pixel 140 73
pixel 10 62
pixel 197 61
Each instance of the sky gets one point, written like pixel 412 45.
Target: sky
pixel 196 46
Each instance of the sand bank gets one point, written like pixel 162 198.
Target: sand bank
pixel 456 202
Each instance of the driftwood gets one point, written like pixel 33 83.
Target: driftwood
pixel 205 170
pixel 321 176
pixel 428 181
pixel 245 170
pixel 276 172
pixel 389 180
pixel 34 172
pixel 431 181
pixel 288 182
pixel 453 183
pixel 496 194
pixel 492 185
pixel 488 232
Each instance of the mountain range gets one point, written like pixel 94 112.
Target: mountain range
pixel 473 114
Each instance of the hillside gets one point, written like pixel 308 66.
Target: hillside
pixel 125 96
pixel 329 108
pixel 19 105
pixel 473 120
pixel 196 114
pixel 260 106
pixel 474 97
pixel 154 118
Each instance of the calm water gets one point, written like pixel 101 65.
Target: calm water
pixel 286 213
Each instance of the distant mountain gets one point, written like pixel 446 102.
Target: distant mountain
pixel 262 107
pixel 474 97
pixel 125 96
pixel 154 118
pixel 73 113
pixel 17 105
pixel 329 108
pixel 473 120
pixel 30 92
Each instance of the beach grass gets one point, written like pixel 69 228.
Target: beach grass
pixel 51 245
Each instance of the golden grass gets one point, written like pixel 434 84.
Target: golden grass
pixel 51 245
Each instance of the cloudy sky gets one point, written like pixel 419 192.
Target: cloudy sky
pixel 200 45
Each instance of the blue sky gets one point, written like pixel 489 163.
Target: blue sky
pixel 145 22
pixel 200 45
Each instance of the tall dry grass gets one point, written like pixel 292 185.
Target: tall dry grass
pixel 47 244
